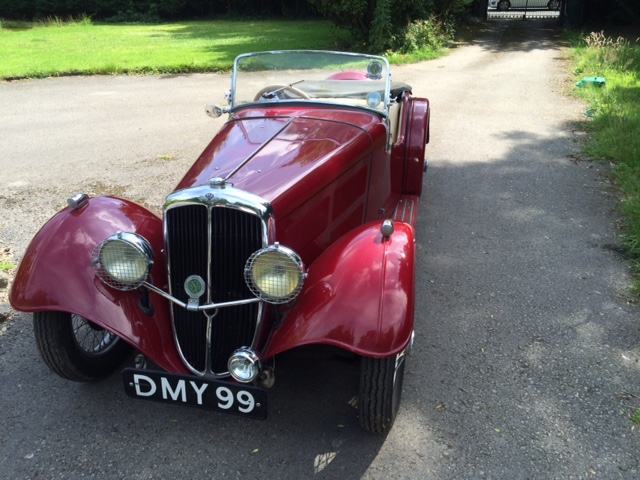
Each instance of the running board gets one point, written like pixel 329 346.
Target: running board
pixel 407 210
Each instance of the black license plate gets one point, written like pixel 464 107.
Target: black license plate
pixel 227 397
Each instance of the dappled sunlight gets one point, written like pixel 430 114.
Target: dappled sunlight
pixel 225 40
pixel 519 274
pixel 323 460
pixel 512 37
pixel 524 214
pixel 553 428
pixel 591 332
pixel 409 441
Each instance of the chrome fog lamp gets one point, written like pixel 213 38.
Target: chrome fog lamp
pixel 244 365
pixel 123 261
pixel 274 274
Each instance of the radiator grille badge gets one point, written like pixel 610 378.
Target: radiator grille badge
pixel 195 287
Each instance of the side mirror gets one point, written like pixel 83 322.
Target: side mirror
pixel 215 111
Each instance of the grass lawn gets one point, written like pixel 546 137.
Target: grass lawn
pixel 615 123
pixel 34 50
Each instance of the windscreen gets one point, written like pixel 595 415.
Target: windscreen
pixel 311 76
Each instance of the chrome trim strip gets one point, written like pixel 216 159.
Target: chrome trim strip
pixel 200 308
pixel 226 196
pixel 315 102
pixel 209 336
pixel 400 211
pixel 400 357
pixel 411 221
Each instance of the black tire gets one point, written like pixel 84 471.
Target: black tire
pixel 503 5
pixel 554 5
pixel 380 392
pixel 75 348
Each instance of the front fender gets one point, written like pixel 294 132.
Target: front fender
pixel 56 274
pixel 359 296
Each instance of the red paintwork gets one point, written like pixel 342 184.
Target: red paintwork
pixel 348 76
pixel 296 152
pixel 313 165
pixel 411 143
pixel 358 296
pixel 324 170
pixel 331 180
pixel 56 274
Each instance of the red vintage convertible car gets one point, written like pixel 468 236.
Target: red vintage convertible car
pixel 295 226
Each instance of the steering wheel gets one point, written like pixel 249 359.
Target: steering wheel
pixel 282 88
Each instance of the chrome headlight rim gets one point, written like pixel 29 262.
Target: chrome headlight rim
pixel 246 358
pixel 291 265
pixel 135 255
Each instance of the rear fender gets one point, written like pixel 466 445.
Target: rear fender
pixel 56 274
pixel 359 296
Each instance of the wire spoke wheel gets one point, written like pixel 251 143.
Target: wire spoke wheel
pixel 92 340
pixel 76 348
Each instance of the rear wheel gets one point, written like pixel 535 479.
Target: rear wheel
pixel 503 5
pixel 380 392
pixel 75 348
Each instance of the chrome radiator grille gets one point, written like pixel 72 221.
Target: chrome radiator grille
pixel 213 242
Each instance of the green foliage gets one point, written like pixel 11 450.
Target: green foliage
pixel 56 21
pixel 430 33
pixel 141 11
pixel 352 15
pixel 616 122
pixel 367 20
pixel 137 14
pixel 600 53
pixel 17 9
pixel 452 7
pixel 152 10
pixel 6 266
pixel 384 26
pixel 38 9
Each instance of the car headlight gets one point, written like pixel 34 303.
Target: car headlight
pixel 244 365
pixel 274 274
pixel 123 261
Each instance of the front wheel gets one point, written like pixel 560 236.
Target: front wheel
pixel 503 5
pixel 380 392
pixel 554 5
pixel 75 348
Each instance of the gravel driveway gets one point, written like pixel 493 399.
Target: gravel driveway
pixel 527 357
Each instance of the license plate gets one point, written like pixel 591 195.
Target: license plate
pixel 227 397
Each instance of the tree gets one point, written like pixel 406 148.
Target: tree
pixel 384 24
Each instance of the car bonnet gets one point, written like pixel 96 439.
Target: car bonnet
pixel 286 157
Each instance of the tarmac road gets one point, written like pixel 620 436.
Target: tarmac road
pixel 527 357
